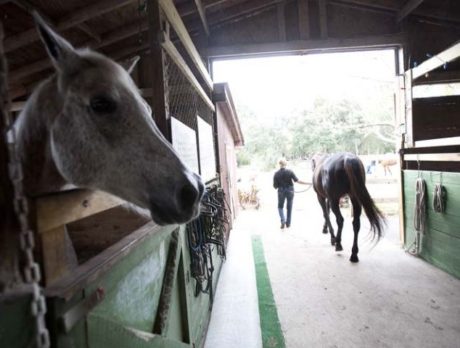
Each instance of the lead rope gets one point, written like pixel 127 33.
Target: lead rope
pixel 419 214
pixel 31 269
pixel 439 197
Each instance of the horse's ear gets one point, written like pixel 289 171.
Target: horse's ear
pixel 130 64
pixel 61 52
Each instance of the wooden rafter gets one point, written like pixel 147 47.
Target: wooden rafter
pixel 188 9
pixel 408 8
pixel 74 19
pixel 106 40
pixel 175 20
pixel 202 13
pixel 384 6
pixel 306 46
pixel 26 5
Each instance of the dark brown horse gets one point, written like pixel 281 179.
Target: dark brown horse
pixel 343 174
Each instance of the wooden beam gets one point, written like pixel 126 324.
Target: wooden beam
pixel 26 5
pixel 176 22
pixel 106 39
pixel 241 11
pixel 281 14
pixel 202 13
pixel 56 210
pixel 183 67
pixel 436 61
pixel 304 19
pixel 189 9
pixel 77 17
pixel 435 157
pixel 384 6
pixel 88 31
pixel 157 59
pixel 322 19
pixel 307 46
pixel 407 9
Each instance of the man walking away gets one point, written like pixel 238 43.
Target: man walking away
pixel 284 181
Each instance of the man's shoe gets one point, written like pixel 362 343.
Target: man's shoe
pixel 282 226
pixel 288 225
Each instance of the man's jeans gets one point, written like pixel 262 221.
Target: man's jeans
pixel 285 194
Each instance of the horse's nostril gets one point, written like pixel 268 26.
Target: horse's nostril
pixel 187 196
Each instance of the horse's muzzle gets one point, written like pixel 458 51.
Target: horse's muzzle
pixel 182 207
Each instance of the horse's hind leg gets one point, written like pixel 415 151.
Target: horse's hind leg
pixel 356 226
pixel 327 223
pixel 339 218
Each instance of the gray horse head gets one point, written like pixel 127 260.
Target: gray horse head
pixel 102 135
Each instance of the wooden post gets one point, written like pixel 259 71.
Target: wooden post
pixel 9 227
pixel 322 19
pixel 157 56
pixel 59 257
pixel 304 21
pixel 281 13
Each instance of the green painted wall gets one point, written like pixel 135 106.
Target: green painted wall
pixel 125 317
pixel 441 242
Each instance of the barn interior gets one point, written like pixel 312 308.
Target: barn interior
pixel 102 266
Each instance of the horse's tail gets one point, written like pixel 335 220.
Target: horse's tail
pixel 355 173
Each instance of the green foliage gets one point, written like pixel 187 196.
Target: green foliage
pixel 243 157
pixel 329 126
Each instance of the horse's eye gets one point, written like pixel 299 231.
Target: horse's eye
pixel 103 105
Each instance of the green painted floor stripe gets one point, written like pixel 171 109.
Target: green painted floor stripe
pixel 272 336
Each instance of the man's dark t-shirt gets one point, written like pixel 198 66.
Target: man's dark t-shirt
pixel 284 178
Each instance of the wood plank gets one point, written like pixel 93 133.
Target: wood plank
pixel 438 77
pixel 59 257
pixel 436 61
pixel 408 112
pixel 407 9
pixel 202 14
pixel 56 210
pixel 175 20
pixel 103 263
pixel 436 117
pixel 435 157
pixel 306 46
pixel 433 176
pixel 438 142
pixel 170 275
pixel 304 19
pixel 183 67
pixel 322 19
pixel 439 249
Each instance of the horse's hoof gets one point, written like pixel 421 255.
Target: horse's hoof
pixel 354 258
pixel 338 247
pixel 332 241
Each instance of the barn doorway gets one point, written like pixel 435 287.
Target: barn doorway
pixel 293 107
pixel 296 106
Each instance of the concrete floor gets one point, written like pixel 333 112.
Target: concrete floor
pixel 388 299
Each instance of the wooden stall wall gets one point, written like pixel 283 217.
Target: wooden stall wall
pixel 441 240
pixel 431 152
pixel 227 156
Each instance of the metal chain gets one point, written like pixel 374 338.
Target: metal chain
pixel 31 269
